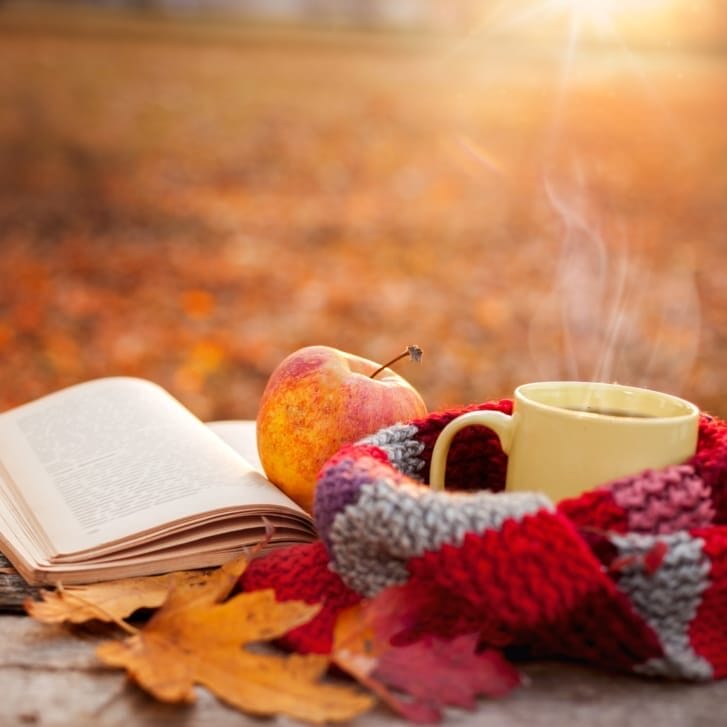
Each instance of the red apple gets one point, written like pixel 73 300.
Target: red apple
pixel 317 400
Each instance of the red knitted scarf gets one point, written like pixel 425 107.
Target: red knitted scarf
pixel 631 575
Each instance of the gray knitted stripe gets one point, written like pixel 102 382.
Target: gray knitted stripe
pixel 668 599
pixel 401 446
pixel 373 538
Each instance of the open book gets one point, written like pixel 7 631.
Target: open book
pixel 115 478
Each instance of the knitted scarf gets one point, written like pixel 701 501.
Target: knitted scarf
pixel 631 575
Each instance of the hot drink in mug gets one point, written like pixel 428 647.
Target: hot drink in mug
pixel 566 437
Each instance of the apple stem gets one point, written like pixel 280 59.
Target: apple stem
pixel 413 352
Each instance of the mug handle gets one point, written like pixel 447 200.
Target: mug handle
pixel 501 425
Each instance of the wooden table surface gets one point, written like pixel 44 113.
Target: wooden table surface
pixel 50 676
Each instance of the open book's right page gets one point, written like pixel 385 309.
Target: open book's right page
pixel 240 434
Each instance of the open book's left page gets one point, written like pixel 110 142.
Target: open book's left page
pixel 104 460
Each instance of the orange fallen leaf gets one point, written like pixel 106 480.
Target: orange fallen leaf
pixel 115 600
pixel 107 601
pixel 195 638
pixel 198 304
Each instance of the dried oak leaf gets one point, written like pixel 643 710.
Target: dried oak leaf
pixel 107 601
pixel 195 638
pixel 416 679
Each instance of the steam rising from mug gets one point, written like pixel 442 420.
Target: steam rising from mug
pixel 612 316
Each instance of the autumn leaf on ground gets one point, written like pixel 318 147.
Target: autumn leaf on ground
pixel 115 600
pixel 108 601
pixel 416 679
pixel 195 638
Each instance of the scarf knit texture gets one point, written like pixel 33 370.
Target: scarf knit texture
pixel 631 575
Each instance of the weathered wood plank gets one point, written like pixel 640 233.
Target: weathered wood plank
pixel 50 676
pixel 13 589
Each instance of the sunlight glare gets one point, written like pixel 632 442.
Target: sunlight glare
pixel 601 13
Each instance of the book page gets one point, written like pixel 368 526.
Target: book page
pixel 112 457
pixel 240 434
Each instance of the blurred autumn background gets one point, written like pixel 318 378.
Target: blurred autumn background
pixel 190 190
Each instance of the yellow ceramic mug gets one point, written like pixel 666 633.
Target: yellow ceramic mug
pixel 565 437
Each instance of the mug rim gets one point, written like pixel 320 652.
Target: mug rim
pixel 691 410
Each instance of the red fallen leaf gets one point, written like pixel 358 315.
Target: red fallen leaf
pixel 654 557
pixel 436 671
pixel 620 564
pixel 416 679
pixel 650 561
